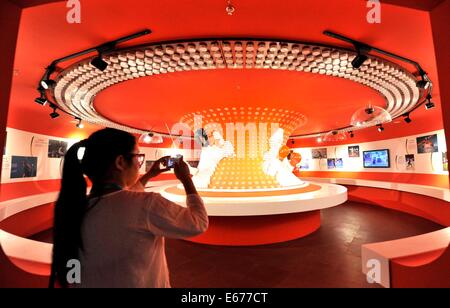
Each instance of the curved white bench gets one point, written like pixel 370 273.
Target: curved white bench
pixel 429 191
pixel 384 252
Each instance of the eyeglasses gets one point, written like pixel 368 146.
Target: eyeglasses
pixel 140 157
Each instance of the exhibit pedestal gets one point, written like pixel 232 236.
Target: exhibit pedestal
pixel 258 230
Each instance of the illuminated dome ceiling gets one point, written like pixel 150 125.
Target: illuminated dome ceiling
pixel 77 86
pixel 308 85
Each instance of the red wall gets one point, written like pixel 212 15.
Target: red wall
pixel 9 25
pixel 441 29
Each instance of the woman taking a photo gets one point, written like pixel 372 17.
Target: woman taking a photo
pixel 117 231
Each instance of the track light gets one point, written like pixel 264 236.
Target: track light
pixel 425 82
pixel 319 139
pixel 429 104
pixel 380 127
pixel 47 83
pixel 407 118
pixel 422 84
pixel 99 63
pixel 363 49
pixel 42 100
pixel 54 114
pixel 351 134
pixel 359 60
pixel 362 56
pixel 80 125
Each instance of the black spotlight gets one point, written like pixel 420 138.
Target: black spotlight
pixel 422 84
pixel 359 60
pixel 79 124
pixel 407 118
pixel 429 104
pixel 42 100
pixel 292 141
pixel 380 127
pixel 362 56
pixel 47 83
pixel 99 63
pixel 351 134
pixel 54 114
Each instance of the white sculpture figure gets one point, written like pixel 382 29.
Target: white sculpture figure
pixel 274 167
pixel 224 145
pixel 285 177
pixel 210 157
pixel 271 163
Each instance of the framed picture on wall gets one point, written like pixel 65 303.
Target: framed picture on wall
pixel 409 161
pixel 353 151
pixel 56 148
pixel 427 144
pixel 23 167
pixel 444 161
pixel 304 164
pixel 319 153
pixel 331 163
pixel 339 163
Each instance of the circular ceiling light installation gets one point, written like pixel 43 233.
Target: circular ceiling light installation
pixel 77 85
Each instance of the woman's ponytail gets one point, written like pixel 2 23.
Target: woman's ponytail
pixel 68 215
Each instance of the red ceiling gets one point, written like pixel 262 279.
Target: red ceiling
pixel 150 102
pixel 425 5
pixel 154 101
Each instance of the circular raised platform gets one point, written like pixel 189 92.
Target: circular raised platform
pixel 260 192
pixel 314 196
pixel 258 217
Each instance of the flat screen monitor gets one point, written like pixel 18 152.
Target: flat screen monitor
pixel 377 159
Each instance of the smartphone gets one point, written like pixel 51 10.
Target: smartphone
pixel 171 161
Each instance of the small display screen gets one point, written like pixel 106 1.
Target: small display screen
pixel 376 159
